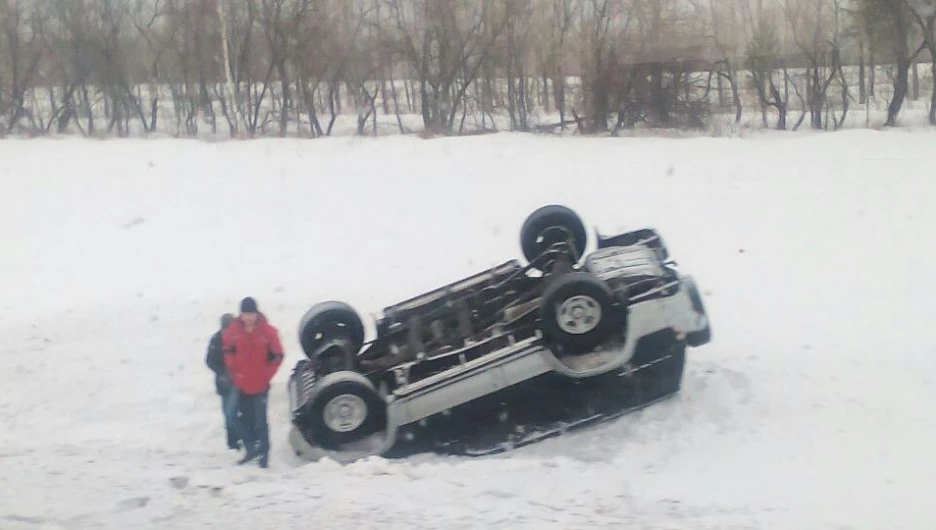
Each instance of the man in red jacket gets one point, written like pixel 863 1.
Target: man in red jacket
pixel 252 354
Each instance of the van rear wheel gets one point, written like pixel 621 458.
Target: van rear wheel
pixel 578 312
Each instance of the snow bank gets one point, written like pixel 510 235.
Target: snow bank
pixel 811 408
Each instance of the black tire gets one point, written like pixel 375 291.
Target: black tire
pixel 579 291
pixel 328 325
pixel 548 225
pixel 703 336
pixel 352 394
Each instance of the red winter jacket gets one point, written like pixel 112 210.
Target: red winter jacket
pixel 252 358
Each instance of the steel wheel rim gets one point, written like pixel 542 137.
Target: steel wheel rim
pixel 578 314
pixel 345 413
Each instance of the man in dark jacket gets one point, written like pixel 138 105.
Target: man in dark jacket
pixel 252 354
pixel 223 384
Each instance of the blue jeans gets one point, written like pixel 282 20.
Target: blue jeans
pixel 256 432
pixel 230 409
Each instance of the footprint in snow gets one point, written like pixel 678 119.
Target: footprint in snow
pixel 132 504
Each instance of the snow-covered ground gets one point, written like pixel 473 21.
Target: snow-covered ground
pixel 812 408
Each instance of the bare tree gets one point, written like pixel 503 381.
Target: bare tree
pixel 121 67
pixel 895 28
pixel 924 14
pixel 22 24
pixel 762 53
pixel 556 25
pixel 724 35
pixel 604 26
pixel 815 33
pixel 446 43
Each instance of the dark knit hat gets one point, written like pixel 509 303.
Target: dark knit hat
pixel 226 319
pixel 248 305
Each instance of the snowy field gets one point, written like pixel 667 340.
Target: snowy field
pixel 813 407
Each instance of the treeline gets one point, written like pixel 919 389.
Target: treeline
pixel 294 67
